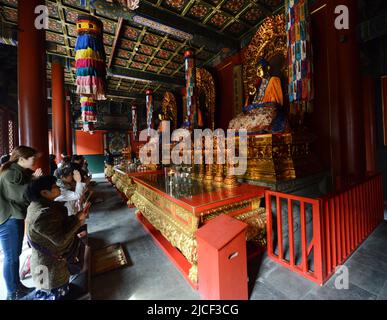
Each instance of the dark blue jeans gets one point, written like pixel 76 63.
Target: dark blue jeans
pixel 11 239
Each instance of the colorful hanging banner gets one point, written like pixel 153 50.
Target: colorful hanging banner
pixel 90 58
pixel 190 77
pixel 301 91
pixel 149 110
pixel 88 108
pixel 134 120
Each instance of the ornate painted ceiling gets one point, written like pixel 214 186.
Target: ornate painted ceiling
pixel 145 47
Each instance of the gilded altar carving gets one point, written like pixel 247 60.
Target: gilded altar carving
pixel 109 171
pixel 169 109
pixel 273 158
pixel 179 225
pixel 269 41
pixel 124 184
pixel 206 88
pixel 175 232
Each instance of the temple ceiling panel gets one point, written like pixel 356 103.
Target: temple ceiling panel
pixel 151 40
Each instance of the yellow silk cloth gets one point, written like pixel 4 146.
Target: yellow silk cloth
pixel 273 91
pixel 88 53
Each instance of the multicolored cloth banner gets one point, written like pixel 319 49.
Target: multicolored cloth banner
pixel 90 58
pixel 190 78
pixel 88 108
pixel 299 55
pixel 134 120
pixel 149 110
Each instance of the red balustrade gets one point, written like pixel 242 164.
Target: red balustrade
pixel 317 235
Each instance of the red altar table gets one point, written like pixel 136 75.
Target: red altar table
pixel 173 216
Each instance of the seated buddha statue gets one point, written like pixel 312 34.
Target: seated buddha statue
pixel 263 110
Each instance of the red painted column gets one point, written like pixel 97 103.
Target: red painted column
pixel 351 115
pixel 32 94
pixel 58 109
pixel 368 102
pixel 69 129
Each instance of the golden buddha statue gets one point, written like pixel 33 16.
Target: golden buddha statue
pixel 263 110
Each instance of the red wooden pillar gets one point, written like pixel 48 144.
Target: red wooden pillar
pixel 58 109
pixel 32 95
pixel 338 90
pixel 351 115
pixel 69 129
pixel 368 102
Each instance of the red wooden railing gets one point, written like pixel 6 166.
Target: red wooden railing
pixel 339 223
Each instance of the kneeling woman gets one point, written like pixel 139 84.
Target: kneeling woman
pixel 52 234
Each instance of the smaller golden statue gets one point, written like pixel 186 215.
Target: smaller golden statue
pixel 263 110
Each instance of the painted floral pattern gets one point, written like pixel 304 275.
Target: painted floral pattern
pixel 234 5
pixel 151 39
pixel 170 45
pixel 71 16
pixel 55 25
pixel 163 54
pixel 253 15
pixel 218 19
pixel 157 62
pixel 53 10
pixel 141 58
pixel 137 65
pixel 121 62
pixel 108 40
pixel 152 69
pixel 176 4
pixel 198 11
pixel 54 37
pixel 146 50
pixel 126 44
pixel 72 31
pixel 123 54
pixel 131 33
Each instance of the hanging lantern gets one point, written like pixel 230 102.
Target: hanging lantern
pixel 90 58
pixel 134 120
pixel 149 109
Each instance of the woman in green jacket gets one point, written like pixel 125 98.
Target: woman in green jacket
pixel 14 178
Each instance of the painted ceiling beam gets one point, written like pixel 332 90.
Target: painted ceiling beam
pixel 130 74
pixel 116 38
pixel 132 95
pixel 201 35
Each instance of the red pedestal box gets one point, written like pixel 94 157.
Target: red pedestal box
pixel 222 261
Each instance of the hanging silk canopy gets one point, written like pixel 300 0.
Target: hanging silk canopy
pixel 149 109
pixel 299 55
pixel 134 120
pixel 90 58
pixel 191 120
pixel 88 108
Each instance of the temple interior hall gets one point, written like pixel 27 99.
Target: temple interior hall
pixel 193 150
